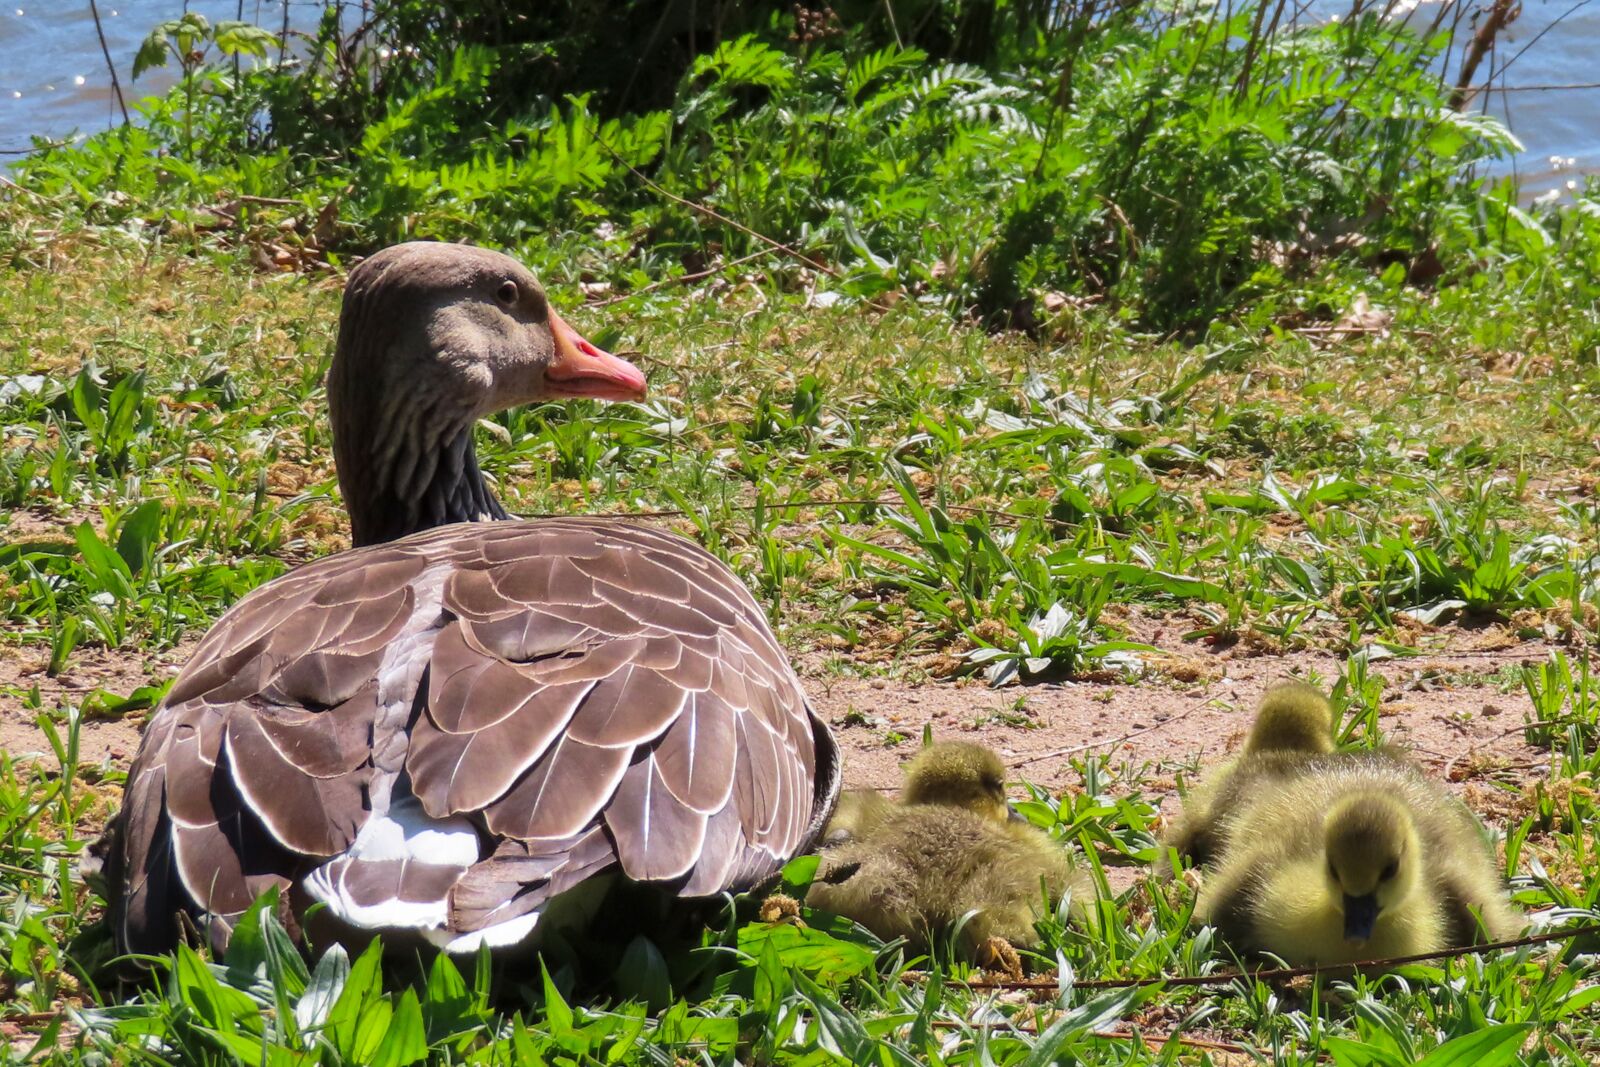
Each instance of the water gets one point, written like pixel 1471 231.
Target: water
pixel 1552 45
pixel 1559 127
pixel 53 79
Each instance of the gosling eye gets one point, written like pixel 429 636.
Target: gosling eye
pixel 1390 871
pixel 1333 872
pixel 507 294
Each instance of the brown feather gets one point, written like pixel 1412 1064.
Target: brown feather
pixel 514 880
pixel 656 837
pixel 562 794
pixel 757 779
pixel 315 814
pixel 465 771
pixel 696 757
pixel 722 848
pixel 626 708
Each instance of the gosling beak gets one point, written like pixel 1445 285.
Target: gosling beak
pixel 578 368
pixel 1013 815
pixel 1360 914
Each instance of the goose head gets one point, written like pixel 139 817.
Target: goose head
pixel 432 338
pixel 959 774
pixel 1373 854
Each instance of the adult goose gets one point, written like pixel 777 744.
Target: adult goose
pixel 444 729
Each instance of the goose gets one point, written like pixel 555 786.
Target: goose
pixel 1357 857
pixel 457 724
pixel 1293 725
pixel 950 850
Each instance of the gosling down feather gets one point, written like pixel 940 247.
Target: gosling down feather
pixel 950 847
pixel 440 732
pixel 1293 725
pixel 1325 857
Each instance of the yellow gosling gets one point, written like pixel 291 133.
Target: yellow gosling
pixel 1359 857
pixel 951 849
pixel 1293 726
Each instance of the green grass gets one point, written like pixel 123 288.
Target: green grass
pixel 910 498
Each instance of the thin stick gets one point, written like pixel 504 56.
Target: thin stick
pixel 1532 88
pixel 1501 736
pixel 819 502
pixel 9 184
pixel 1152 1040
pixel 1113 742
pixel 1500 14
pixel 1280 973
pixel 1353 328
pixel 1536 38
pixel 682 279
pixel 105 50
pixel 45 147
pixel 268 201
pixel 713 214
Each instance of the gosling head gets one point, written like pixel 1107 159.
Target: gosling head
pixel 1372 858
pixel 959 774
pixel 1294 717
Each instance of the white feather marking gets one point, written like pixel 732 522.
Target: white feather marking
pixel 649 772
pixel 500 935
pixel 693 724
pixel 399 676
pixel 408 834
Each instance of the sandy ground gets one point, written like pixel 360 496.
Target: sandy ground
pixel 1442 705
pixel 1438 706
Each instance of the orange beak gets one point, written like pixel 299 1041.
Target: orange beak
pixel 578 368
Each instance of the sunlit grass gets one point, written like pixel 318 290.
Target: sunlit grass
pixel 902 492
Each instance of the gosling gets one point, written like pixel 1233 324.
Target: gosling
pixel 951 848
pixel 1293 726
pixel 1358 857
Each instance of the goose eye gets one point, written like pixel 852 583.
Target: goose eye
pixel 507 294
pixel 1390 871
pixel 1333 872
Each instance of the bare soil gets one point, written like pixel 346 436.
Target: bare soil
pixel 1442 707
pixel 102 741
pixel 1448 706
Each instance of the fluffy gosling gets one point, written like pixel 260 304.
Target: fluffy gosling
pixel 1358 856
pixel 1293 726
pixel 949 848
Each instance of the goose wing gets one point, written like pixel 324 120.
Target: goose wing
pixel 443 732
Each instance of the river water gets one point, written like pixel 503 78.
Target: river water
pixel 53 78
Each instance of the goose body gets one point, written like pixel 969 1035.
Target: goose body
pixel 949 851
pixel 444 731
